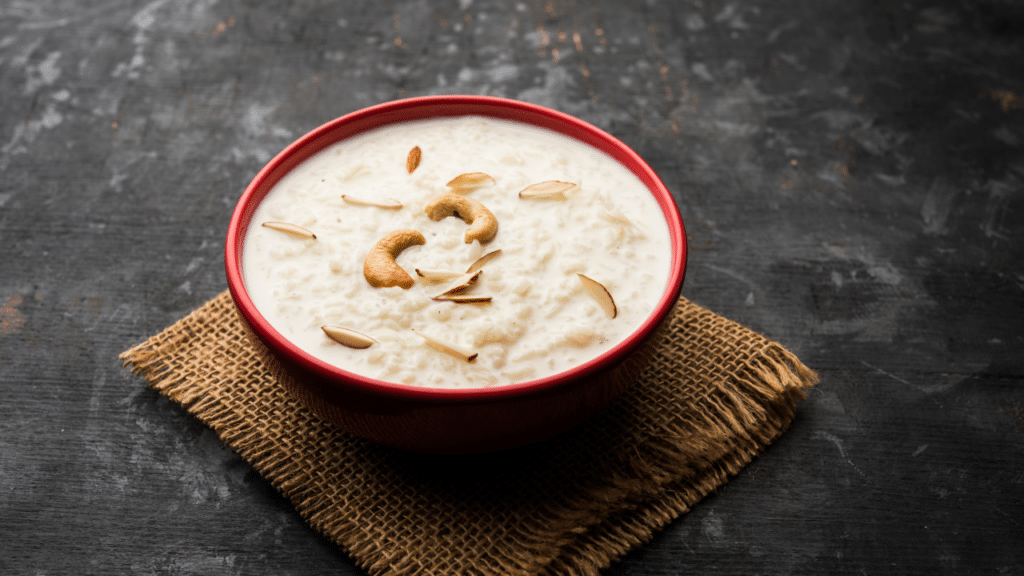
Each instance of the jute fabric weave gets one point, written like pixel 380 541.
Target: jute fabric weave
pixel 715 396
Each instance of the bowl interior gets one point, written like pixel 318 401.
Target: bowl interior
pixel 433 107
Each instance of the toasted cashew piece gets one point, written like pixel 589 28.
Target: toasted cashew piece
pixel 482 223
pixel 380 268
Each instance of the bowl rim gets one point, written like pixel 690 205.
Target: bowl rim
pixel 425 107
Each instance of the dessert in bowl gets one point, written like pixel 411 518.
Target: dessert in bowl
pixel 455 273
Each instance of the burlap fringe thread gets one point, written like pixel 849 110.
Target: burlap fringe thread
pixel 715 396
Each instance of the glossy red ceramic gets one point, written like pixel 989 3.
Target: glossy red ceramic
pixel 458 420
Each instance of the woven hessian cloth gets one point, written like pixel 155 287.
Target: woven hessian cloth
pixel 714 397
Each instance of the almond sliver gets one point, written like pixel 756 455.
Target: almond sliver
pixel 293 229
pixel 470 180
pixel 442 347
pixel 462 285
pixel 389 204
pixel 412 161
pixel 551 189
pixel 348 337
pixel 436 275
pixel 463 299
pixel 483 260
pixel 600 294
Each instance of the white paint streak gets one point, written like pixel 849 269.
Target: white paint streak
pixel 59 23
pixel 239 155
pixel 937 206
pixel 842 119
pixel 142 22
pixel 713 527
pixel 880 371
pixel 254 123
pixel 732 274
pixel 877 140
pixel 51 118
pixel 736 129
pixel 886 274
pixel 44 74
pixel 842 449
pixel 837 279
pixel 144 18
pixel 894 181
pixel 701 70
pixel 793 61
pixel 27 132
pixel 1004 135
pixel 732 16
pixel 503 73
pixel 775 33
pixel 1000 193
pixel 556 83
pixel 194 264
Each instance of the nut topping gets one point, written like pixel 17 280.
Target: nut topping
pixel 442 347
pixel 412 161
pixel 293 229
pixel 347 337
pixel 600 294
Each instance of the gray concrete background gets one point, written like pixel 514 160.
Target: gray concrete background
pixel 850 174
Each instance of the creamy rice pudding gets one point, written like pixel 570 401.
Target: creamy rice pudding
pixel 560 209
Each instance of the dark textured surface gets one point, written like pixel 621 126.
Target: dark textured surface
pixel 851 175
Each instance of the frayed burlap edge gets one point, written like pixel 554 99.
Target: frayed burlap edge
pixel 664 475
pixel 685 469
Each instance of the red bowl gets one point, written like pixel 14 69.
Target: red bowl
pixel 452 420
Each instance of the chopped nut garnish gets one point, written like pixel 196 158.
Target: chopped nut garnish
pixel 462 285
pixel 483 260
pixel 442 347
pixel 436 275
pixel 469 181
pixel 347 337
pixel 291 229
pixel 550 190
pixel 412 161
pixel 389 204
pixel 463 299
pixel 380 268
pixel 616 217
pixel 482 223
pixel 600 294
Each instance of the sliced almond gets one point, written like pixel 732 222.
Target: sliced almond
pixel 347 337
pixel 389 204
pixel 462 285
pixel 458 299
pixel 291 229
pixel 470 180
pixel 483 260
pixel 600 294
pixel 437 275
pixel 412 161
pixel 442 347
pixel 617 217
pixel 549 190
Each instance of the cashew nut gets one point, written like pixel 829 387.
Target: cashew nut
pixel 380 268
pixel 482 223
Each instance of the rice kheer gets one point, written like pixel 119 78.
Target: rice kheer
pixel 579 253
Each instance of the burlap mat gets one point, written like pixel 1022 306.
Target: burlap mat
pixel 714 397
